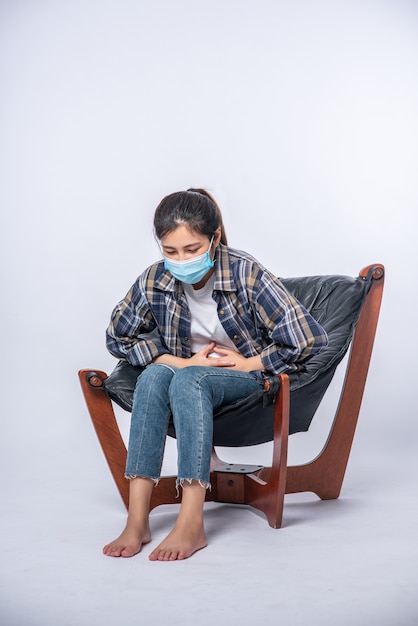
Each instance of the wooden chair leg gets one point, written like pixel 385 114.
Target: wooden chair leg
pixel 264 489
pixel 106 427
pixel 325 474
pixel 268 495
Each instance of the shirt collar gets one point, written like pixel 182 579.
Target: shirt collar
pixel 224 280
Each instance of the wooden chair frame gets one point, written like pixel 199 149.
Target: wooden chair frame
pixel 262 488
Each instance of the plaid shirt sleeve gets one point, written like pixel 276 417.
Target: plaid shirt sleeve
pixel 294 334
pixel 132 334
pixel 270 322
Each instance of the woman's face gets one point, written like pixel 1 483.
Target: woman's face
pixel 183 244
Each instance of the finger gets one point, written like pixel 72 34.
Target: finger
pixel 222 351
pixel 208 349
pixel 224 363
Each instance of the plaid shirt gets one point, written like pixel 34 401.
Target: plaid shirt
pixel 257 313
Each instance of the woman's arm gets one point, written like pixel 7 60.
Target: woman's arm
pixel 294 334
pixel 132 334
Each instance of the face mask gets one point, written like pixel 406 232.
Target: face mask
pixel 192 270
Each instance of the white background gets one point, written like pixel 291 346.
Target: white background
pixel 301 119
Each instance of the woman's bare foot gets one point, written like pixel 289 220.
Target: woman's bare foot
pixel 188 535
pixel 137 531
pixel 184 540
pixel 129 542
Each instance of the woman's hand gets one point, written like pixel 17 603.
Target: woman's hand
pixel 240 362
pixel 226 358
pixel 200 358
pixel 203 357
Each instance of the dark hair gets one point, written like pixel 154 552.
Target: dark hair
pixel 195 207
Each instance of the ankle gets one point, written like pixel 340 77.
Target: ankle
pixel 137 520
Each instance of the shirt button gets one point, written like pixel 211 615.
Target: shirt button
pixel 236 337
pixel 222 312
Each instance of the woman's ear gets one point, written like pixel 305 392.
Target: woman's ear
pixel 217 237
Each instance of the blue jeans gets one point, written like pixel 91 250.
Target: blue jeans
pixel 190 395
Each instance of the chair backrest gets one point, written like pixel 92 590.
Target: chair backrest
pixel 335 302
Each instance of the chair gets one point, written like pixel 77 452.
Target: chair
pixel 348 308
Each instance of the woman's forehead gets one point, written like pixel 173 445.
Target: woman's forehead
pixel 182 236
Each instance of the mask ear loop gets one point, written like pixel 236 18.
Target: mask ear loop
pixel 210 245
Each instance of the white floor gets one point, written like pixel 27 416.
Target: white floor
pixel 351 561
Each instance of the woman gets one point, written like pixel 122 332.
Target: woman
pixel 209 323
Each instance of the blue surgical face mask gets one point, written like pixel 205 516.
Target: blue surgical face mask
pixel 192 270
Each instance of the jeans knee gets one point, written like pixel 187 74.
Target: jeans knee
pixel 155 375
pixel 186 379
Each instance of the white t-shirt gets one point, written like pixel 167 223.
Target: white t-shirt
pixel 205 324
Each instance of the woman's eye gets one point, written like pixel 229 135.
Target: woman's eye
pixel 174 252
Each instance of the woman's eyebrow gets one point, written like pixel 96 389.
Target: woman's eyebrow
pixel 188 245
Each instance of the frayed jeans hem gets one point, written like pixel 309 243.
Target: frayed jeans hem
pixel 132 476
pixel 180 483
